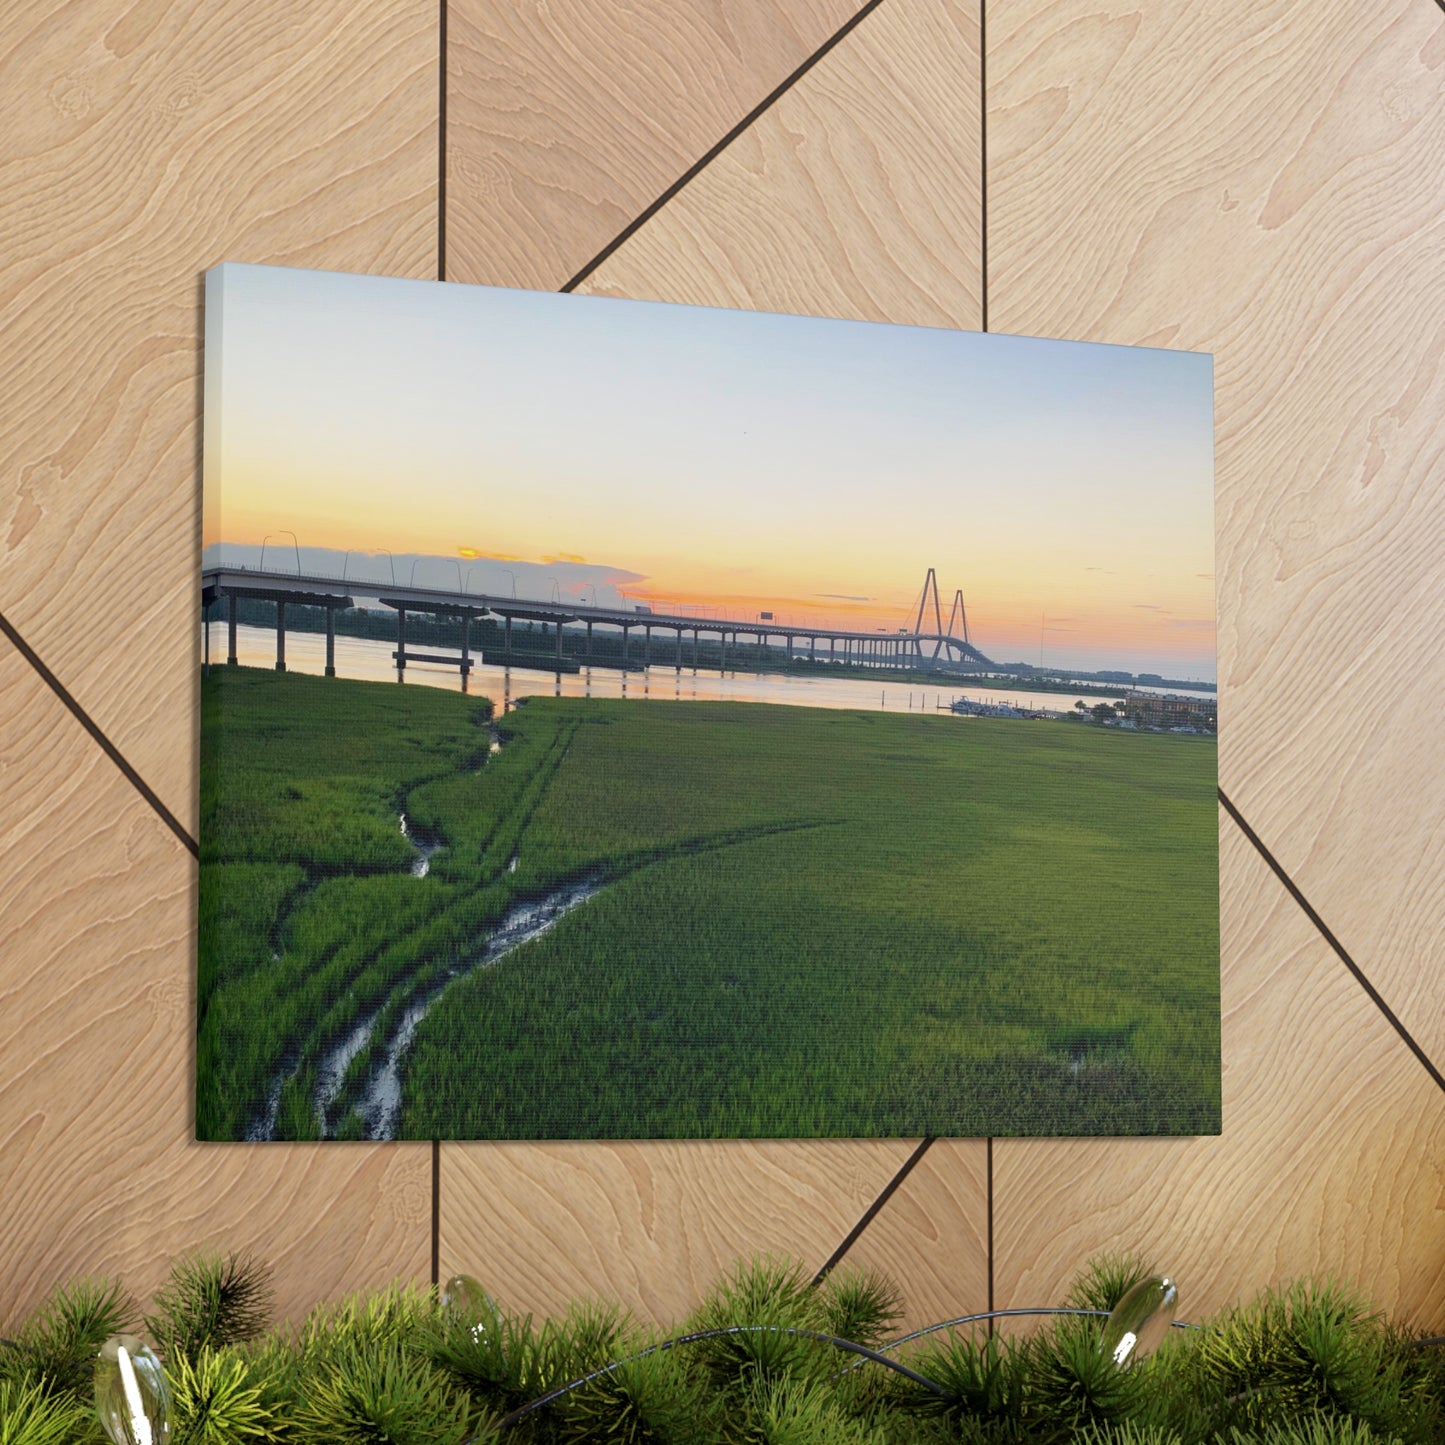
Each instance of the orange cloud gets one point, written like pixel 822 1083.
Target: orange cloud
pixel 562 557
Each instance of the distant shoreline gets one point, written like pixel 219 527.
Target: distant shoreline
pixel 487 640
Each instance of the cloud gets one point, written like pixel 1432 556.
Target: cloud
pixel 843 596
pixel 1104 570
pixel 1148 606
pixel 565 557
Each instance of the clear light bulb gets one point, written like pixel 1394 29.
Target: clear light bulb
pixel 131 1394
pixel 469 1307
pixel 1140 1320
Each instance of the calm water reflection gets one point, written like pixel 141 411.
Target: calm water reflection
pixel 371 658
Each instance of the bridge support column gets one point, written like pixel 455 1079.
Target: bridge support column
pixel 722 650
pixel 466 645
pixel 647 644
pixel 231 631
pixel 559 645
pixel 589 642
pixel 507 638
pixel 694 649
pixel 206 636
pixel 280 637
pixel 400 642
pixel 624 651
pixel 677 651
pixel 331 642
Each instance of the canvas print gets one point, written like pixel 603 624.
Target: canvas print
pixel 625 720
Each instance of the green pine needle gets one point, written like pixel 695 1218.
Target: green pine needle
pixel 379 1393
pixel 986 1373
pixel 32 1415
pixel 210 1301
pixel 860 1305
pixel 1073 1384
pixel 1311 1364
pixel 1105 1280
pixel 59 1342
pixel 215 1401
pixel 655 1400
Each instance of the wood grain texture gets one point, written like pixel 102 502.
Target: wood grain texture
pixel 931 1237
pixel 566 119
pixel 1332 1157
pixel 649 1224
pixel 1262 182
pixel 98 1173
pixel 139 144
pixel 856 195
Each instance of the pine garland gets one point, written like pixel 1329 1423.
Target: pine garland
pixel 1311 1364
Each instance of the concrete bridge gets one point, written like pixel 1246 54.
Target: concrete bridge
pixel 920 647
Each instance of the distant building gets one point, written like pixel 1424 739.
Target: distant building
pixel 1154 710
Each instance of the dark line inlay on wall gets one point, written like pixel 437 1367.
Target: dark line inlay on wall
pixel 106 746
pixel 988 1166
pixel 442 149
pixel 436 1211
pixel 763 105
pixel 1293 890
pixel 983 177
pixel 851 1238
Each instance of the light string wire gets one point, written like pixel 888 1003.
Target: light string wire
pixel 865 1353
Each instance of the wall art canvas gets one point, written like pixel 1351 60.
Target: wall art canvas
pixel 627 720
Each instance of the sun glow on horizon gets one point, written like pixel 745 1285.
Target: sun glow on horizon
pixel 720 463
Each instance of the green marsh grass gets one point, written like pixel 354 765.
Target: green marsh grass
pixel 812 922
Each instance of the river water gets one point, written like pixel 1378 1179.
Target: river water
pixel 371 659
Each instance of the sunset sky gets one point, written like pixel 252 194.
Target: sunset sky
pixel 721 462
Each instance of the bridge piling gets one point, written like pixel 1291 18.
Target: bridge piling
pixel 280 636
pixel 400 642
pixel 231 660
pixel 330 641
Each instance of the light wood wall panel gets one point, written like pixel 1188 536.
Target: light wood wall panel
pixel 566 120
pixel 139 144
pixel 1257 182
pixel 1262 181
pixel 98 1171
pixel 1330 1161
pixel 931 1237
pixel 651 1224
pixel 856 195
